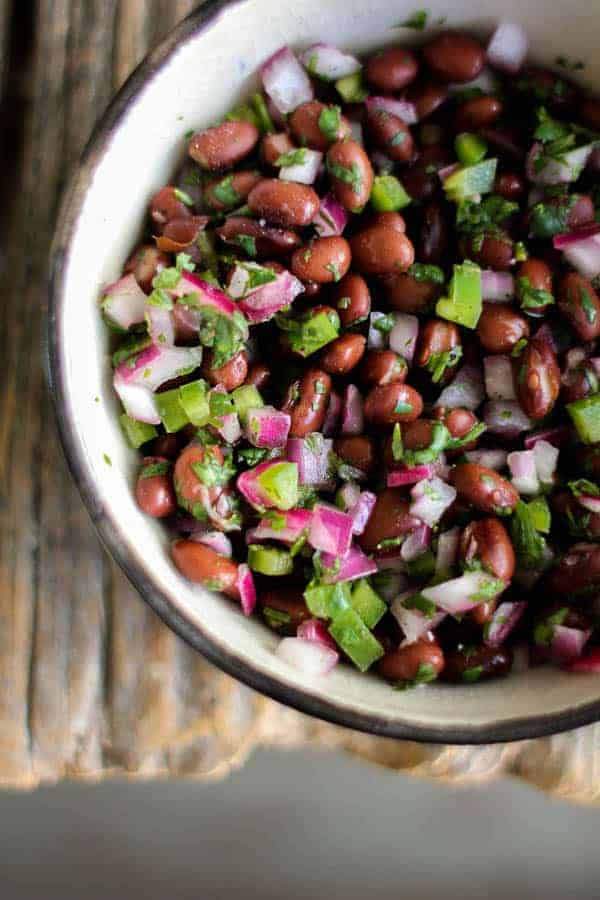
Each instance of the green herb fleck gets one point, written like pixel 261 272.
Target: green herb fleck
pixel 329 122
pixel 473 674
pixel 417 21
pixel 183 196
pixel 292 158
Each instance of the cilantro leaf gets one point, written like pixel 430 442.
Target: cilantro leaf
pixel 528 543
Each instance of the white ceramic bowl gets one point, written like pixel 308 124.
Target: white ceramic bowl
pixel 189 81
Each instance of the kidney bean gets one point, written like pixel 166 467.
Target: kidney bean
pixel 390 519
pixel 454 57
pixel 427 97
pixel 284 203
pixel 267 241
pixel 352 299
pixel 478 664
pixel 387 220
pixel 587 461
pixel 203 565
pixel 154 494
pixel 392 69
pixel 578 570
pixel 357 451
pixel 547 87
pixel 574 618
pixel 433 235
pixel 304 125
pixel 495 251
pixel 580 305
pixel 181 234
pixel 390 403
pixel 188 486
pixel 578 383
pixel 288 600
pixel 324 260
pixel 273 146
pixel 390 134
pixel 501 327
pixel 534 273
pixel 231 375
pixel 403 292
pixel 351 174
pixel 509 185
pixel 582 212
pixel 538 379
pixel 306 401
pixel 487 541
pixel 459 423
pixel 579 522
pixel 483 612
pixel 383 367
pixel 231 191
pixel 437 336
pixel 418 434
pixel 479 112
pixel 145 263
pixel 483 488
pixel 259 375
pixel 589 110
pixel 343 354
pixel 504 141
pixel 420 179
pixel 166 205
pixel 224 145
pixel 165 446
pixel 405 663
pixel 381 250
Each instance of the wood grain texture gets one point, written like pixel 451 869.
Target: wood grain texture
pixel 91 682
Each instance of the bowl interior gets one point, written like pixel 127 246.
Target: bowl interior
pixel 135 151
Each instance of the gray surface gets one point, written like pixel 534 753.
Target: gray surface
pixel 296 826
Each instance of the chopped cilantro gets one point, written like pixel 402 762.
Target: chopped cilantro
pixel 424 272
pixel 252 456
pixel 397 445
pixel 292 158
pixel 276 618
pixel 417 21
pixel 489 216
pixel 212 472
pixel 532 298
pixel 351 176
pixel 333 268
pixel 473 674
pixel 440 437
pixel 582 487
pixel 384 323
pixel 329 122
pixel 544 630
pixel 439 362
pixel 529 545
pixel 155 468
pixel 107 459
pixel 418 601
pixel 247 243
pixel 225 193
pixel 183 196
pixel 487 590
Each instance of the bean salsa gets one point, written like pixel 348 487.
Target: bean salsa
pixel 359 353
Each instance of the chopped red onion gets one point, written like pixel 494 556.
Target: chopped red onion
pixel 588 664
pixel 295 522
pixel 430 500
pixel 503 621
pixel 399 477
pixel 267 427
pixel 522 468
pixel 156 364
pixel 401 108
pixel 328 62
pixel 556 171
pixel 334 409
pixel 376 339
pixel 581 248
pixel 506 418
pixel 332 218
pixel 413 622
pixel 546 460
pixel 447 550
pixel 497 287
pixel 491 459
pixel 574 357
pixel 595 364
pixel 355 564
pixel 459 595
pixel 279 120
pixel 348 495
pixel 403 336
pixel 315 630
pixel 123 303
pixel 230 428
pixel 486 83
pixel 330 530
pixel 310 657
pixel 589 502
pixel 361 511
pixel 263 302
pixel 249 486
pixel 546 336
pixel 247 589
pixel 416 543
pixel 285 81
pixel 161 325
pixel 313 457
pixel 352 421
pixel 305 172
pixel 466 389
pixel 498 375
pixel 567 643
pixel 558 437
pixel 508 47
pixel 216 540
pixel 207 294
pixel 138 401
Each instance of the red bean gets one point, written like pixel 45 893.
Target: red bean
pixel 427 97
pixel 286 600
pixel 351 299
pixel 392 69
pixel 495 251
pixel 390 519
pixel 231 191
pixel 421 179
pixel 391 403
pixel 501 327
pixel 167 205
pixel 578 570
pixel 154 489
pixel 231 375
pixel 357 451
pixel 265 241
pixel 510 186
pixel 407 294
pixel 284 203
pixel 488 542
pixel 477 664
pixel 146 262
pixel 343 354
pixel 437 336
pixel 179 234
pixel 580 305
pixel 454 57
pixel 406 663
pixel 390 134
pixel 305 125
pixel 383 367
pixel 324 260
pixel 538 379
pixel 307 401
pixel 381 250
pixel 275 145
pixel 483 488
pixel 259 375
pixel 203 565
pixel 433 237
pixel 480 112
pixel 224 145
pixel 351 174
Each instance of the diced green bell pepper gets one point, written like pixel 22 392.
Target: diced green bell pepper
pixel 269 560
pixel 463 305
pixel 351 634
pixel 388 194
pixel 586 418
pixel 137 433
pixel 367 603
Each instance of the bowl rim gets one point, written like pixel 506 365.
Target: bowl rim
pixel 518 728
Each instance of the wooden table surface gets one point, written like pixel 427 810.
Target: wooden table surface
pixel 91 682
